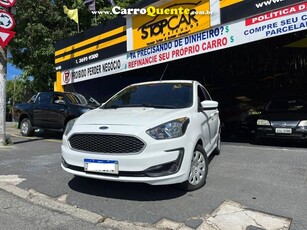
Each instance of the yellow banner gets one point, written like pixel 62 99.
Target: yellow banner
pixel 225 3
pixel 170 21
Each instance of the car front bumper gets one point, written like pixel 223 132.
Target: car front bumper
pixel 298 134
pixel 160 162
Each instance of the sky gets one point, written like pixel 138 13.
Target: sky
pixel 12 71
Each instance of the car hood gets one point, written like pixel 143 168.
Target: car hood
pixel 130 116
pixel 284 116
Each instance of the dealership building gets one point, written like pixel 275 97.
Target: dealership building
pixel 239 49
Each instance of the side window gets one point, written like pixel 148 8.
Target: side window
pixel 58 99
pixel 205 92
pixel 43 98
pixel 201 95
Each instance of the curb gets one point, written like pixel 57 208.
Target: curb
pixel 88 216
pixel 229 215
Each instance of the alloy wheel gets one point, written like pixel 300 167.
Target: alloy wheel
pixel 24 127
pixel 198 168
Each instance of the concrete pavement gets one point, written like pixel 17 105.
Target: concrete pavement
pixel 35 211
pixel 221 217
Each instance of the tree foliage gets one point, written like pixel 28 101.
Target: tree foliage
pixel 39 25
pixel 19 90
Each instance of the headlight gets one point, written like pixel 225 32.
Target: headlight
pixel 303 123
pixel 263 122
pixel 168 130
pixel 69 126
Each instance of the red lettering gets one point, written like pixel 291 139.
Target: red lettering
pixel 217 43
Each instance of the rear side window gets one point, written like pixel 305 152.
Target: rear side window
pixel 76 99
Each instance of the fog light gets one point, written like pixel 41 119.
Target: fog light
pixel 167 168
pixel 64 163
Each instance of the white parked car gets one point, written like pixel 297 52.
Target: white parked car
pixel 158 133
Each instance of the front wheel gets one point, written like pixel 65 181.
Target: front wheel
pixel 26 128
pixel 198 170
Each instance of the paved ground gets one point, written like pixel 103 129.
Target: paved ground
pixel 269 179
pixel 17 213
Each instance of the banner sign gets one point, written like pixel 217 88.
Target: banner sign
pixel 169 21
pixel 202 42
pixel 274 23
pixel 232 10
pixel 279 22
pixel 94 70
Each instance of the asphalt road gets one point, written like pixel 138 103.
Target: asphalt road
pixel 270 179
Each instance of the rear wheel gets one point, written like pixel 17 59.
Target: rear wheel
pixel 198 171
pixel 26 128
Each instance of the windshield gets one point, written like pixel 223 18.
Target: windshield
pixel 164 95
pixel 32 99
pixel 287 105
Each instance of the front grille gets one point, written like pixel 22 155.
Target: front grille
pixel 284 124
pixel 102 143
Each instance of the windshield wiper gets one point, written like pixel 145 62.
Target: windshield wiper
pixel 139 105
pixel 152 106
pixel 164 107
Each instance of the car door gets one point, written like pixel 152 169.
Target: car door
pixel 41 116
pixel 57 111
pixel 210 119
pixel 214 118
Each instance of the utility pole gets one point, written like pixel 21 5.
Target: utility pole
pixel 2 96
pixel 6 35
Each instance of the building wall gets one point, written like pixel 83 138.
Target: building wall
pixel 89 61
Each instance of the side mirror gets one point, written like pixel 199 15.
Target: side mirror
pixel 209 105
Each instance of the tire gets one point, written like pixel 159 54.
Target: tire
pixel 198 170
pixel 26 128
pixel 217 149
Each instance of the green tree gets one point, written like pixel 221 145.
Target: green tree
pixel 19 89
pixel 39 25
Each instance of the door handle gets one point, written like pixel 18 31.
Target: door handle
pixel 214 114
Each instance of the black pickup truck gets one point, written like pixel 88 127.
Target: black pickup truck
pixel 51 110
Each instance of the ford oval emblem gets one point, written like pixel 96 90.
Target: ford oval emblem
pixel 103 127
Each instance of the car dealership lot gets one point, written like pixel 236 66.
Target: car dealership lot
pixel 268 178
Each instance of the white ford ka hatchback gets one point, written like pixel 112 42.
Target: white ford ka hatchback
pixel 154 132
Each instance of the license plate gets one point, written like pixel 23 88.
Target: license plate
pixel 102 166
pixel 283 130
